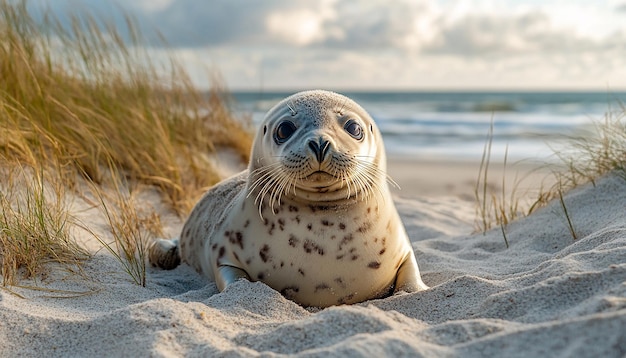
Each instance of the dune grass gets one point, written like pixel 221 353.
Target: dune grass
pixel 34 224
pixel 131 226
pixel 596 152
pixel 585 158
pixel 78 98
pixel 87 97
pixel 495 207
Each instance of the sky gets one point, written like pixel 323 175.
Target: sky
pixel 390 44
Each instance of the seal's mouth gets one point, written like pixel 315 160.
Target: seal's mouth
pixel 321 179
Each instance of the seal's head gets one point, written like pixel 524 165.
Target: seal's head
pixel 317 146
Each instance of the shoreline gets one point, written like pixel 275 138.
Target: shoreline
pixel 437 177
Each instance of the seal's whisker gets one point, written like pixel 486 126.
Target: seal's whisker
pixel 292 108
pixel 345 178
pixel 375 169
pixel 369 173
pixel 265 174
pixel 279 189
pixel 267 183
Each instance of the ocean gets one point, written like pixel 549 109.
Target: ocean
pixel 435 125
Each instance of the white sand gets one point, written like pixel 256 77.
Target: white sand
pixel 547 295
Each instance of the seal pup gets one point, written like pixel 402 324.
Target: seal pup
pixel 312 216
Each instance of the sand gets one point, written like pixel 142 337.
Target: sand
pixel 546 295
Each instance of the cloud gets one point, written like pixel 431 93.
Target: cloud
pixel 400 25
pixel 329 23
pixel 406 43
pixel 196 23
pixel 375 24
pixel 480 35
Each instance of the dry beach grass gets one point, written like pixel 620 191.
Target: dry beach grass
pixel 82 102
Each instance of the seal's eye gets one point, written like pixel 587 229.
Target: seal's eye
pixel 354 129
pixel 284 131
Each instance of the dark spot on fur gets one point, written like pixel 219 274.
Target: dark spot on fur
pixel 293 209
pixel 321 286
pixel 264 253
pixel 221 252
pixel 271 230
pixel 365 227
pixel 249 261
pixel 236 238
pixel 327 223
pixel 345 299
pixel 246 223
pixel 297 219
pixel 354 257
pixel 315 208
pixel 282 263
pixel 342 226
pixel 339 257
pixel 301 271
pixel 374 265
pixel 260 276
pixel 290 292
pixel 236 256
pixel 310 246
pixel 281 224
pixel 369 210
pixel 340 282
pixel 266 221
pixel 346 239
pixel 293 241
pixel 382 251
pixel 187 231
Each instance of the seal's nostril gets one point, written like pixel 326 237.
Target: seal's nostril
pixel 316 150
pixel 314 147
pixel 324 146
pixel 320 148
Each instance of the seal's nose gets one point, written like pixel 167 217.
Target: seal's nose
pixel 319 148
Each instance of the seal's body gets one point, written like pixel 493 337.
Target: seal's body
pixel 312 217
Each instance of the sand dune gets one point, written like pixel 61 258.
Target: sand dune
pixel 546 295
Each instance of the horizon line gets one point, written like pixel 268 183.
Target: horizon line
pixel 431 90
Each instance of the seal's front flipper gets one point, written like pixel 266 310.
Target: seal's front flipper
pixel 408 276
pixel 226 275
pixel 164 254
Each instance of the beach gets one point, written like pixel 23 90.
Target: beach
pixel 546 294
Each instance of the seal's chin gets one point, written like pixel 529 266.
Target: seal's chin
pixel 320 180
